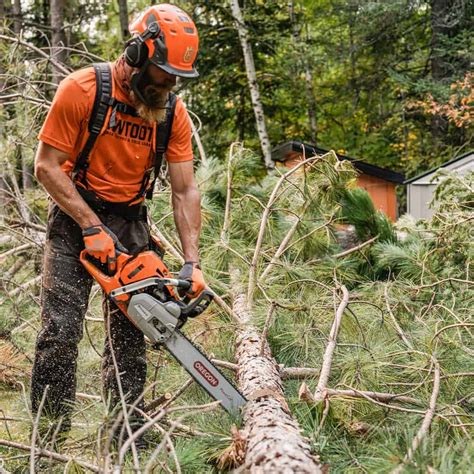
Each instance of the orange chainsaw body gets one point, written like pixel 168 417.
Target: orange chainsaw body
pixel 130 269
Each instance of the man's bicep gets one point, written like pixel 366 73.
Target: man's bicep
pixel 47 155
pixel 66 117
pixel 181 176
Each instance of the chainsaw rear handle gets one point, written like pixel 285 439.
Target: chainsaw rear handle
pixel 119 248
pixel 99 271
pixel 94 266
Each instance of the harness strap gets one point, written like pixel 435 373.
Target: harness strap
pixel 103 95
pixel 121 107
pixel 163 134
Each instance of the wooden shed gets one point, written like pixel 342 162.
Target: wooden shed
pixel 379 182
pixel 421 188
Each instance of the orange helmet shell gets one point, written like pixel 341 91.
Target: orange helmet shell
pixel 178 33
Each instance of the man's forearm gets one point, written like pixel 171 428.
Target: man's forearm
pixel 187 217
pixel 61 188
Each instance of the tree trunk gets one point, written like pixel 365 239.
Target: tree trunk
pixel 311 104
pixel 274 443
pixel 447 20
pixel 58 37
pixel 241 116
pixel 308 75
pixel 17 16
pixel 4 198
pixel 25 167
pixel 253 85
pixel 123 13
pixel 22 164
pixel 439 67
pixel 353 81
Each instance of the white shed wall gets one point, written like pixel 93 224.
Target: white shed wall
pixel 419 198
pixel 421 191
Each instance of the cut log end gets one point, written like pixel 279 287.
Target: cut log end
pixel 234 455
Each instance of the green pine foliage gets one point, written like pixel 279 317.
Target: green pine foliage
pixel 421 278
pixel 358 210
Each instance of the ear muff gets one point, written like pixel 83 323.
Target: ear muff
pixel 136 51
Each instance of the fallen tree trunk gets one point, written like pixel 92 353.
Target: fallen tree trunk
pixel 274 443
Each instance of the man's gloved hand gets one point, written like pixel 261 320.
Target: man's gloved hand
pixel 191 271
pixel 100 243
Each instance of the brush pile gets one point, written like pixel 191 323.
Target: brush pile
pixel 354 357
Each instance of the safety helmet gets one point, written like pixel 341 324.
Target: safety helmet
pixel 165 36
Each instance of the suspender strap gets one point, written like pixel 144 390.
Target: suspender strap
pixel 103 97
pixel 163 134
pixel 122 107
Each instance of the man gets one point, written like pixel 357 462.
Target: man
pixel 97 188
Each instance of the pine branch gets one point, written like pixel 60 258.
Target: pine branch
pixel 266 213
pixel 328 354
pixel 50 454
pixel 399 330
pixel 60 67
pixel 428 418
pixel 226 224
pixel 348 251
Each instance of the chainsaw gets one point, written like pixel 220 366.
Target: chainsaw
pixel 147 294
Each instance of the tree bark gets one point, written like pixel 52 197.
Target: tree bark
pixel 253 84
pixel 123 13
pixel 25 170
pixel 439 124
pixel 58 36
pixel 274 443
pixel 4 197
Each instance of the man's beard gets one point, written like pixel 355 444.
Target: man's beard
pixel 153 109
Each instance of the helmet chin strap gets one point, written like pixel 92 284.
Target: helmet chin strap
pixel 135 81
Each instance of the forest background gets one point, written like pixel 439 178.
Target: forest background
pixel 389 82
pixel 384 81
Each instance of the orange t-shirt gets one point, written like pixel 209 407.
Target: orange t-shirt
pixel 121 155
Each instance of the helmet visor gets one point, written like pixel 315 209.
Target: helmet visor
pixel 177 72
